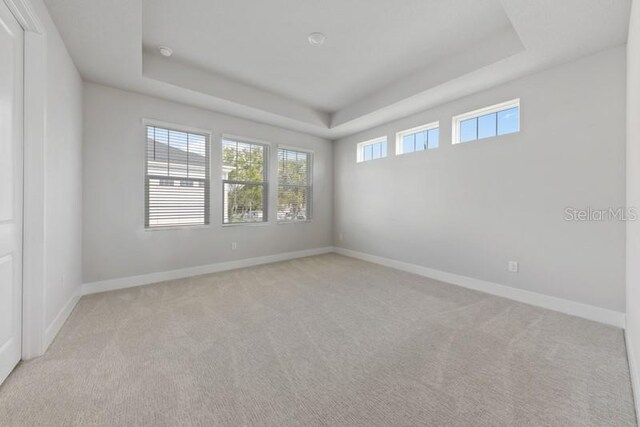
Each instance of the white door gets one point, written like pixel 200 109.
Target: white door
pixel 11 53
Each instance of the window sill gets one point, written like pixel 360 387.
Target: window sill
pixel 294 222
pixel 244 224
pixel 486 138
pixel 178 227
pixel 371 160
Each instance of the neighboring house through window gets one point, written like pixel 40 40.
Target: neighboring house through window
pixel 177 178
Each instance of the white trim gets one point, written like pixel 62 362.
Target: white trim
pixel 55 326
pixel 24 14
pixel 361 145
pixel 310 171
pixel 247 139
pixel 177 127
pixel 573 308
pixel 455 121
pixel 633 373
pixel 145 279
pixel 294 148
pixel 266 174
pixel 401 134
pixel 33 280
pixel 489 109
pixel 208 134
pixel 246 224
pixel 175 227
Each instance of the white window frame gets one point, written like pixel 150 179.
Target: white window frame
pixel 179 128
pixel 267 164
pixel 311 154
pixel 361 145
pixel 400 135
pixel 455 129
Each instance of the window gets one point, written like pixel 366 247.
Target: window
pixel 418 139
pixel 500 119
pixel 294 185
pixel 372 150
pixel 244 181
pixel 177 178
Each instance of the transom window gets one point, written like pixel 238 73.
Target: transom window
pixel 372 150
pixel 418 139
pixel 244 181
pixel 294 185
pixel 496 120
pixel 177 178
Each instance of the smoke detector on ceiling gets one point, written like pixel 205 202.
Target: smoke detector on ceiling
pixel 316 39
pixel 165 51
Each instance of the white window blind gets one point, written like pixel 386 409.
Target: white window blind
pixel 294 185
pixel 244 181
pixel 177 178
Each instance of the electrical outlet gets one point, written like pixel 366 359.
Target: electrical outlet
pixel 62 281
pixel 340 237
pixel 513 266
pixel 234 246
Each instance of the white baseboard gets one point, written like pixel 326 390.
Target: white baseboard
pixel 573 308
pixel 52 330
pixel 145 279
pixel 633 372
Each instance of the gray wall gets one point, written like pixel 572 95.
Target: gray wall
pixel 62 175
pixel 633 197
pixel 115 243
pixel 469 209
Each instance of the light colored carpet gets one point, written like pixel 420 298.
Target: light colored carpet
pixel 320 341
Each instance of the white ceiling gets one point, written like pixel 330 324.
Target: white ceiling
pixel 382 59
pixel 369 44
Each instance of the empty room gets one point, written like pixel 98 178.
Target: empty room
pixel 319 213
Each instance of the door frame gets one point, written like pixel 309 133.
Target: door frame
pixel 33 225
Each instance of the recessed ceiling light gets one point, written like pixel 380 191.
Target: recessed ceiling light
pixel 165 51
pixel 316 39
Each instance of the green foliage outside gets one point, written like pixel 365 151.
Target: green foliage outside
pixel 292 194
pixel 245 202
